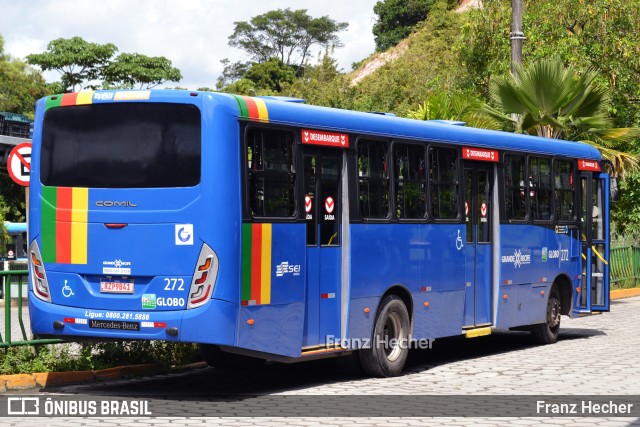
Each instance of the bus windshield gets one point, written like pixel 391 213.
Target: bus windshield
pixel 133 145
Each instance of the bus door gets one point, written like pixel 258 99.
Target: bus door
pixel 594 238
pixel 478 187
pixel 322 204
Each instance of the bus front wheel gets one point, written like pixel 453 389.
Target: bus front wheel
pixel 389 348
pixel 547 333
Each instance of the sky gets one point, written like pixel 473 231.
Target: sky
pixel 193 34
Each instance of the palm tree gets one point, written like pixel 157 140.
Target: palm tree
pixel 454 106
pixel 550 100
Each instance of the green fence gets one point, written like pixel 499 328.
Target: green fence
pixel 625 266
pixel 10 279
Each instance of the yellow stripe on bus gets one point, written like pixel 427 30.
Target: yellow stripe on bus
pixel 79 220
pixel 84 97
pixel 263 113
pixel 265 268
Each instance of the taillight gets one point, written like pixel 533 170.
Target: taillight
pixel 39 282
pixel 204 278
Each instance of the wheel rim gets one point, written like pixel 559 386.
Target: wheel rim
pixel 553 313
pixel 392 331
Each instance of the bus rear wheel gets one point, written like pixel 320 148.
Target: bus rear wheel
pixel 389 348
pixel 547 333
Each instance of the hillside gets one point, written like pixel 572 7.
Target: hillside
pixel 380 59
pixel 427 61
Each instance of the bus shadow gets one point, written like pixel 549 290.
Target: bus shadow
pixel 454 349
pixel 213 385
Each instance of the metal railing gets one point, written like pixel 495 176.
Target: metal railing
pixel 625 264
pixel 9 279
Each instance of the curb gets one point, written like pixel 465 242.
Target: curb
pixel 624 293
pixel 50 379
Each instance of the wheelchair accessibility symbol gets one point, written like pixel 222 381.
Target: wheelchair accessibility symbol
pixel 66 290
pixel 459 244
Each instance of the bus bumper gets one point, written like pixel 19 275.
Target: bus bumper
pixel 213 323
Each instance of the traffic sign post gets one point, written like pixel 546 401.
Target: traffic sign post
pixel 19 164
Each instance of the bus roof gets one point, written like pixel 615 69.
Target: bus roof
pixel 15 227
pixel 284 111
pixel 437 131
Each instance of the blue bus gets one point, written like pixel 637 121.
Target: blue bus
pixel 275 230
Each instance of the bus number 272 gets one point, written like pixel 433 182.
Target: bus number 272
pixel 173 284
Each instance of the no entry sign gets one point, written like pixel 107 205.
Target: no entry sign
pixel 19 164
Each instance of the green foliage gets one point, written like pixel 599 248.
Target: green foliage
pixel 270 77
pixel 20 85
pixel 396 20
pixel 427 65
pixel 91 356
pixel 599 34
pixel 135 352
pixel 454 106
pixel 625 213
pixel 323 84
pixel 78 61
pixel 130 69
pixel 550 100
pixel 84 65
pixel 286 34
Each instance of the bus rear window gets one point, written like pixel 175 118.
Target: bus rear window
pixel 121 145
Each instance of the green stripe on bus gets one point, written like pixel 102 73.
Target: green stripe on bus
pixel 242 104
pixel 48 225
pixel 53 101
pixel 246 261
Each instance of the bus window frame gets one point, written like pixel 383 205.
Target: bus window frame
pixel 552 219
pixel 576 178
pixel 356 182
pixel 503 189
pixel 247 215
pixel 426 217
pixel 460 177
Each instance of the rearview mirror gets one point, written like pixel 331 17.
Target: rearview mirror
pixel 614 192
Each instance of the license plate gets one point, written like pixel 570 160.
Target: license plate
pixel 116 286
pixel 114 324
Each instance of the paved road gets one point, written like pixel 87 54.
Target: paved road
pixel 598 355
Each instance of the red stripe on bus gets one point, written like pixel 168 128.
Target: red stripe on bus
pixel 252 107
pixel 69 99
pixel 63 225
pixel 256 262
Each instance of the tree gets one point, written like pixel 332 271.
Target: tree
pixel 602 34
pixel 446 105
pixel 84 65
pixel 286 34
pixel 550 100
pixel 79 62
pixel 396 20
pixel 131 69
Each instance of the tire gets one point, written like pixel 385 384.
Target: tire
pixel 229 361
pixel 547 333
pixel 392 322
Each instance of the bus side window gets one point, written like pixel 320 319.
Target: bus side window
pixel 515 187
pixel 443 181
pixel 271 173
pixel 540 188
pixel 565 192
pixel 373 179
pixel 410 181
